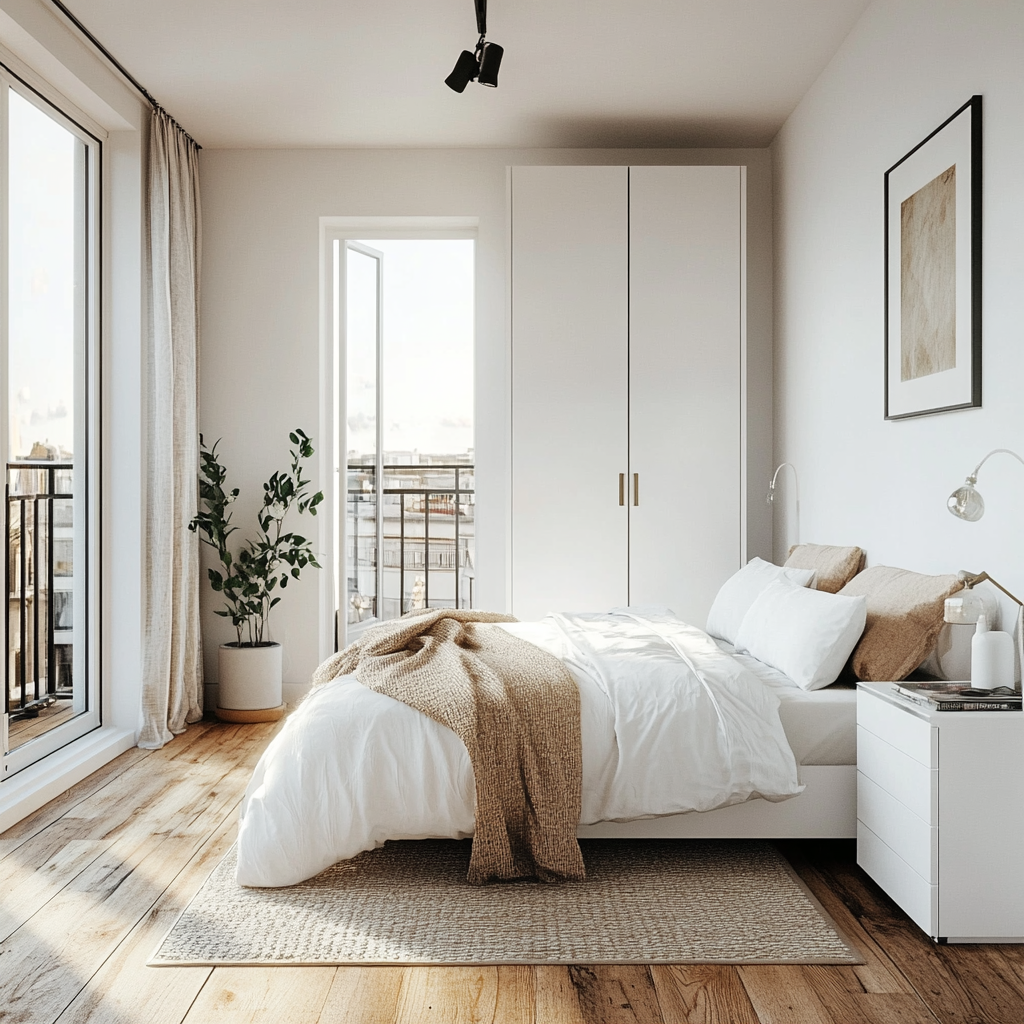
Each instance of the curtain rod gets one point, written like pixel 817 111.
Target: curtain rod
pixel 125 73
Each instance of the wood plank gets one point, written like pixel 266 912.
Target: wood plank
pixel 131 802
pixel 59 806
pixel 702 994
pixel 1012 955
pixel 28 888
pixel 988 979
pixel 955 985
pixel 616 994
pixel 119 776
pixel 364 995
pixel 124 799
pixel 842 992
pixel 517 998
pixel 781 994
pixel 123 990
pixel 879 974
pixel 449 995
pixel 262 995
pixel 112 771
pixel 556 999
pixel 50 959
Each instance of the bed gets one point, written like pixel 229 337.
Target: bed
pixel 737 732
pixel 353 768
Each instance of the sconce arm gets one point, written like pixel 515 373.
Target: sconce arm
pixel 996 451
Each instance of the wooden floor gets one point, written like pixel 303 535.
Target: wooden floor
pixel 89 885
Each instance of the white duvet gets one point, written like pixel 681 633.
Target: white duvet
pixel 669 724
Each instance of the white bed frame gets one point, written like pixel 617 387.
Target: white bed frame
pixel 826 809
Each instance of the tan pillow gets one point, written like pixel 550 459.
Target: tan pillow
pixel 833 566
pixel 904 618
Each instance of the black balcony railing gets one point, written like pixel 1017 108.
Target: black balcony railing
pixel 40 552
pixel 427 532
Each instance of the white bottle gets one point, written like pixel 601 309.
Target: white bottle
pixel 991 657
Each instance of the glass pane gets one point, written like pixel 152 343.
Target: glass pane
pixel 428 350
pixel 361 357
pixel 361 409
pixel 361 538
pixel 427 387
pixel 46 369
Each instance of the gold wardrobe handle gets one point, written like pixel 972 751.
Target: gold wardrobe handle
pixel 636 488
pixel 622 488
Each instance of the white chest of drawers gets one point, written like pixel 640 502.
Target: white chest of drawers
pixel 940 814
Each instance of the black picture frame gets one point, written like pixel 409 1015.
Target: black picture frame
pixel 932 269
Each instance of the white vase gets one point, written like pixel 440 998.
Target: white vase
pixel 250 683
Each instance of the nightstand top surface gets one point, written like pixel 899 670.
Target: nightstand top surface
pixel 886 692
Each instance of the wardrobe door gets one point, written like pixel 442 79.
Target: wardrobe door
pixel 685 326
pixel 569 388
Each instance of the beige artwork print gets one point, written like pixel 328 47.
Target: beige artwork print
pixel 928 278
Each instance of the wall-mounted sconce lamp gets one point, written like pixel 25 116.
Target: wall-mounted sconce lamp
pixel 796 489
pixel 965 502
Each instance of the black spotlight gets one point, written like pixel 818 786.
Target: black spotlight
pixel 483 64
pixel 490 61
pixel 465 70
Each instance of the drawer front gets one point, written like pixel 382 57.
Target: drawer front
pixel 910 782
pixel 906 732
pixel 909 836
pixel 918 898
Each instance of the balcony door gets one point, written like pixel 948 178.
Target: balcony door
pixel 404 316
pixel 49 169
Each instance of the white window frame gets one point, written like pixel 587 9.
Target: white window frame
pixel 87 476
pixel 334 231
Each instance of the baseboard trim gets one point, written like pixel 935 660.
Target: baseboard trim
pixel 38 784
pixel 294 692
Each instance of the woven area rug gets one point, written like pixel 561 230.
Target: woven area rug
pixel 644 901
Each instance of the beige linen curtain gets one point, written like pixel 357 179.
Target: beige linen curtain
pixel 172 653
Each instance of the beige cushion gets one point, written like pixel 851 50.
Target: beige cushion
pixel 833 566
pixel 904 618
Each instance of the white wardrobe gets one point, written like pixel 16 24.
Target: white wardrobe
pixel 627 319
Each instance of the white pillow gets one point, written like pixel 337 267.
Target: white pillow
pixel 740 591
pixel 807 634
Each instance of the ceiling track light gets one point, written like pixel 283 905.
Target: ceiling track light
pixel 481 65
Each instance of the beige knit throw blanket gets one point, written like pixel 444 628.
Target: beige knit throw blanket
pixel 517 710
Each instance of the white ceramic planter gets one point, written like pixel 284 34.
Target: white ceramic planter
pixel 250 683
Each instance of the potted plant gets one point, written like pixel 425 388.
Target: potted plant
pixel 250 666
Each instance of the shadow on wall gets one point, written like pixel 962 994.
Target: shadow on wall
pixel 625 132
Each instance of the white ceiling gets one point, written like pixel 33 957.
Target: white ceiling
pixel 576 73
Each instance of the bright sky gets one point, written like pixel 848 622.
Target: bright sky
pixel 428 346
pixel 41 279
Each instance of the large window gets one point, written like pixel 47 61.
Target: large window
pixel 405 319
pixel 48 329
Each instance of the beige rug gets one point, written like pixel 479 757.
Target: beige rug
pixel 644 901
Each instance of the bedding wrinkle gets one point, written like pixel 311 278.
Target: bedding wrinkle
pixel 516 709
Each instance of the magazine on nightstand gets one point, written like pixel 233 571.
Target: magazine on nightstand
pixel 958 696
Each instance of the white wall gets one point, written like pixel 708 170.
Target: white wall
pixel 906 66
pixel 260 320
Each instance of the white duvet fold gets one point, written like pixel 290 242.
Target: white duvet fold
pixel 669 723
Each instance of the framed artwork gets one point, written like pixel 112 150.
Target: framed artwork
pixel 933 271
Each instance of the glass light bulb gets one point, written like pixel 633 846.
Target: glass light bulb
pixel 966 503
